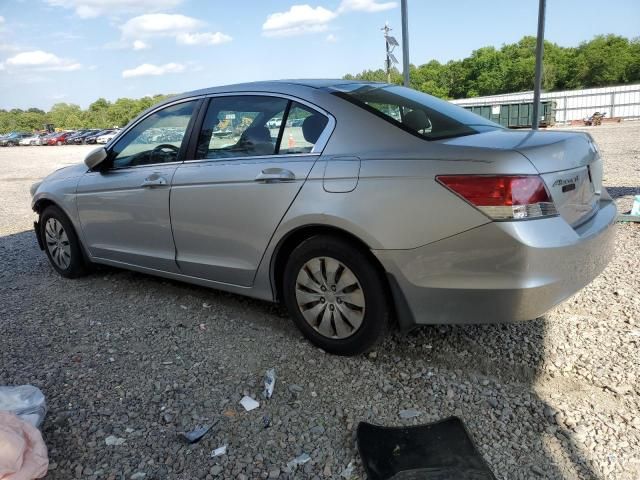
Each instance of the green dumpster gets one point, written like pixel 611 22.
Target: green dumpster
pixel 516 115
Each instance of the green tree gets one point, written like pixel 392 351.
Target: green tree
pixel 604 60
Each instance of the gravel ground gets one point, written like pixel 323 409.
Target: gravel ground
pixel 127 361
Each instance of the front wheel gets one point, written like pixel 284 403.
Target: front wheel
pixel 61 243
pixel 336 295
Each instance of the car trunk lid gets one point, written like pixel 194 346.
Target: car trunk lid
pixel 568 162
pixel 571 167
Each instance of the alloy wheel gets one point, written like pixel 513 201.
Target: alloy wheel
pixel 330 297
pixel 57 243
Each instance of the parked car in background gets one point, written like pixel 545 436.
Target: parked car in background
pixel 80 139
pixel 386 203
pixel 13 139
pixel 58 138
pixel 91 139
pixel 107 137
pixel 70 140
pixel 26 141
pixel 44 141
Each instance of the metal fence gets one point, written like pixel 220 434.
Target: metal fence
pixel 618 102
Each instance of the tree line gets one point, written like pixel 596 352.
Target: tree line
pixel 100 114
pixel 605 60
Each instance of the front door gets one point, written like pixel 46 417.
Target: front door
pixel 124 207
pixel 253 155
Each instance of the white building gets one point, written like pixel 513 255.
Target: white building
pixel 622 102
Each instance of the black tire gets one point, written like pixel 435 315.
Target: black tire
pixel 375 321
pixel 77 265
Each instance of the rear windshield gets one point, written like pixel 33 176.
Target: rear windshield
pixel 416 112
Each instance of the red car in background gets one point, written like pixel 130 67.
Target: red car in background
pixel 58 139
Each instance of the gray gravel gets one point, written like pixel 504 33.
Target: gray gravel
pixel 128 361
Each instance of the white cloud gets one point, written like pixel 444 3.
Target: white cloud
pixel 140 45
pixel 297 20
pixel 96 8
pixel 1 19
pixel 204 38
pixel 159 24
pixel 331 38
pixel 147 69
pixel 40 60
pixel 300 19
pixel 184 29
pixel 370 6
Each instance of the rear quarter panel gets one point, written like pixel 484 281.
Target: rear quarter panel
pixel 397 204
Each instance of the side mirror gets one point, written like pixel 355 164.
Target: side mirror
pixel 95 157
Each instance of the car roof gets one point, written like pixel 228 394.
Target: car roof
pixel 277 86
pixel 318 83
pixel 270 86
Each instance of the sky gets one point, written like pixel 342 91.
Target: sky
pixel 79 50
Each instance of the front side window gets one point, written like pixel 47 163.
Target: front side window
pixel 416 112
pixel 156 139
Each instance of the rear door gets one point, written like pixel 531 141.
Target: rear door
pixel 252 156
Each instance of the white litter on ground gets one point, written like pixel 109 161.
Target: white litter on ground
pixel 249 403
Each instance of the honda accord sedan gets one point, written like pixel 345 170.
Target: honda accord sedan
pixel 358 205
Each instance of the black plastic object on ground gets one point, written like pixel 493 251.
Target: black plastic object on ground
pixel 196 434
pixel 437 451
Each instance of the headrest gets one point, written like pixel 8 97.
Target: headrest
pixel 313 126
pixel 416 120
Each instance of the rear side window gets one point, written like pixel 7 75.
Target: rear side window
pixel 418 113
pixel 254 125
pixel 241 126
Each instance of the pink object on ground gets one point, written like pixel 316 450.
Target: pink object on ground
pixel 23 453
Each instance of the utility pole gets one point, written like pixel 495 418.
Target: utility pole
pixel 537 85
pixel 390 44
pixel 405 42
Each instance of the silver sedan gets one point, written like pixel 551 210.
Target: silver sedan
pixel 358 205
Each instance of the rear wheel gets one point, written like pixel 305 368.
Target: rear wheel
pixel 61 243
pixel 336 295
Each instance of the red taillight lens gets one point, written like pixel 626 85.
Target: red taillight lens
pixel 503 197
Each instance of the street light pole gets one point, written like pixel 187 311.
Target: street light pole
pixel 537 86
pixel 405 42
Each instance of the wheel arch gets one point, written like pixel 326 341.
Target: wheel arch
pixel 41 205
pixel 295 237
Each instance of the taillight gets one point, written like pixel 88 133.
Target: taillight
pixel 503 197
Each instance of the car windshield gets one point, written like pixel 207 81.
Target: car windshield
pixel 418 113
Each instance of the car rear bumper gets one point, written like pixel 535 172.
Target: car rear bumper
pixel 500 271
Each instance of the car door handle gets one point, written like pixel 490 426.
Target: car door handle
pixel 154 181
pixel 275 175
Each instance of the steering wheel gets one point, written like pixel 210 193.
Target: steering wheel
pixel 163 146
